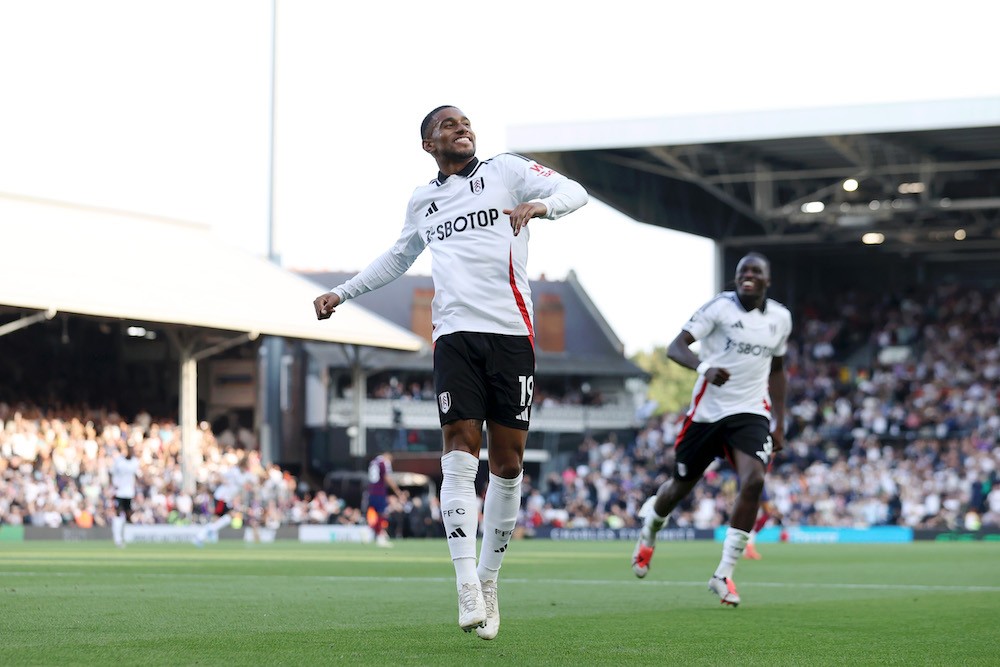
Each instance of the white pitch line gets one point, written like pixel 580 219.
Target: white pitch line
pixel 534 582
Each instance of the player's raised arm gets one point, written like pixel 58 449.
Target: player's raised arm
pixel 388 266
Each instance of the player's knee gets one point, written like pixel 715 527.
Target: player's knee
pixel 753 485
pixel 508 469
pixel 463 436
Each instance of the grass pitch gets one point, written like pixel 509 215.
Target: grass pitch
pixel 562 603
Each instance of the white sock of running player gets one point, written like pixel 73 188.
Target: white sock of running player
pixel 732 550
pixel 503 500
pixel 221 522
pixel 460 512
pixel 118 528
pixel 653 522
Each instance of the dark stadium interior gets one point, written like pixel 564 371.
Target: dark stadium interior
pixel 75 360
pixel 932 196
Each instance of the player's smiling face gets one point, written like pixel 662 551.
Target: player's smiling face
pixel 752 278
pixel 451 136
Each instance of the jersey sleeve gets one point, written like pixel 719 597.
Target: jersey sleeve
pixel 702 321
pixel 529 181
pixel 388 266
pixel 782 347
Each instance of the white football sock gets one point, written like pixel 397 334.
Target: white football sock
pixel 118 528
pixel 651 521
pixel 654 522
pixel 221 522
pixel 503 500
pixel 732 549
pixel 460 512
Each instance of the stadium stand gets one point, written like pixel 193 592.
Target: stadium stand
pixel 883 227
pixel 911 439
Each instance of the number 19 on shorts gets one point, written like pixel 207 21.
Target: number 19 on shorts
pixel 527 383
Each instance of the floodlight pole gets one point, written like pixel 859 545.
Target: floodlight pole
pixel 272 349
pixel 271 249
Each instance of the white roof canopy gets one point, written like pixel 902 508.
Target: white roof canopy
pixel 754 125
pixel 106 263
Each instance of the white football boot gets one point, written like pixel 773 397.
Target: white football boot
pixel 725 588
pixel 490 629
pixel 471 607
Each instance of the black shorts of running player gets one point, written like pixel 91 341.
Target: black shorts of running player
pixel 221 508
pixel 701 443
pixel 484 376
pixel 123 505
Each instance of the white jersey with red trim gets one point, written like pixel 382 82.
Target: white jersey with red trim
pixel 479 267
pixel 743 342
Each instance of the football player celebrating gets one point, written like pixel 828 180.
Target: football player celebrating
pixel 474 218
pixel 739 393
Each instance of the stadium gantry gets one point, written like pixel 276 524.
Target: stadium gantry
pixel 889 194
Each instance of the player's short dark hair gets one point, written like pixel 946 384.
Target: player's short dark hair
pixel 429 117
pixel 758 256
pixel 753 254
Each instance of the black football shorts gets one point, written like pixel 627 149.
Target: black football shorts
pixel 123 504
pixel 484 376
pixel 701 443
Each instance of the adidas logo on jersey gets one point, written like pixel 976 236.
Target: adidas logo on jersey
pixel 738 325
pixel 432 209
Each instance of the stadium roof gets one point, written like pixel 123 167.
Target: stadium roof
pixel 109 264
pixel 926 173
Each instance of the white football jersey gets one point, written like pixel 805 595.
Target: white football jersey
pixel 123 474
pixel 233 479
pixel 479 267
pixel 743 342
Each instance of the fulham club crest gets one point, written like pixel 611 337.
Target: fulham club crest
pixel 477 186
pixel 444 400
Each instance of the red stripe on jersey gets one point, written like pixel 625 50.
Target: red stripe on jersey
pixel 690 415
pixel 520 300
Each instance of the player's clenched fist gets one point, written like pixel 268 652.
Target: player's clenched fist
pixel 325 304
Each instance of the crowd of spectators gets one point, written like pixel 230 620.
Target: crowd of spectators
pixel 55 465
pixel 893 420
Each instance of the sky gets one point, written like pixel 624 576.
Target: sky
pixel 164 107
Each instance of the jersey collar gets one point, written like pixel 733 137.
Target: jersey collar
pixel 466 171
pixel 736 300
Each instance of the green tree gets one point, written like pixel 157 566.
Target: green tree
pixel 670 383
